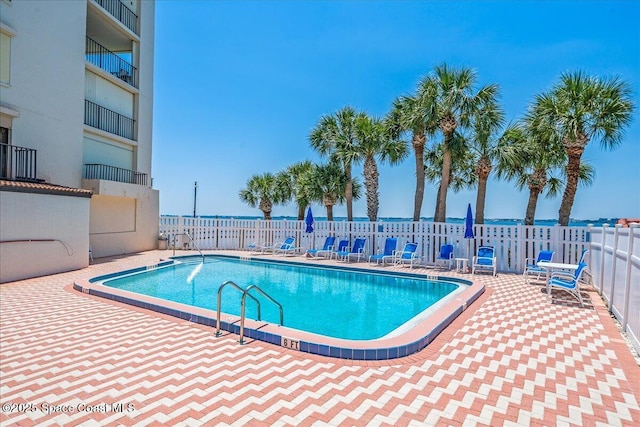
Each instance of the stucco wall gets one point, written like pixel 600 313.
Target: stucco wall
pixel 124 218
pixel 26 216
pixel 47 71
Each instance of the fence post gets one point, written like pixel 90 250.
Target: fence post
pixel 614 254
pixel 627 292
pixel 556 239
pixel 602 258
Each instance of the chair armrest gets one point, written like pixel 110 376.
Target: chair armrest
pixel 562 275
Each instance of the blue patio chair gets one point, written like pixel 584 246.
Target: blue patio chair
pixel 343 246
pixel 570 273
pixel 288 242
pixel 408 255
pixel 357 250
pixel 326 249
pixel 287 247
pixel 445 258
pixel 389 250
pixel 531 265
pixel 569 284
pixel 485 260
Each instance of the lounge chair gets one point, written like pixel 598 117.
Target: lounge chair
pixel 287 247
pixel 569 284
pixel 326 249
pixel 389 250
pixel 357 251
pixel 532 268
pixel 343 246
pixel 408 255
pixel 569 274
pixel 446 256
pixel 282 245
pixel 485 260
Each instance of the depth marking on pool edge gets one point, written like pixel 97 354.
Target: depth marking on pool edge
pixel 290 343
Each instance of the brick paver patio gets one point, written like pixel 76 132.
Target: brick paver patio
pixel 513 358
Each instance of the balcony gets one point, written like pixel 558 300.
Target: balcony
pixel 18 163
pixel 113 64
pixel 112 173
pixel 121 12
pixel 108 121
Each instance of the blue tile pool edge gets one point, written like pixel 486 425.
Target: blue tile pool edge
pixel 373 353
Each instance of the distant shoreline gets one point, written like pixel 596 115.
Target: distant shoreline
pixel 487 221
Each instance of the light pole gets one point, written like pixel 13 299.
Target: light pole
pixel 195 195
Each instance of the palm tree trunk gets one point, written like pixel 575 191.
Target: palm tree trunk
pixel 480 198
pixel 573 171
pixel 530 215
pixel 441 202
pixel 300 212
pixel 329 212
pixel 348 192
pixel 266 206
pixel 418 148
pixel 371 183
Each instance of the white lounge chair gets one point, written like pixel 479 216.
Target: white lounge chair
pixel 532 268
pixel 408 255
pixel 569 284
pixel 446 256
pixel 485 260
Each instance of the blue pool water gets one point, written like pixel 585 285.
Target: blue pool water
pixel 327 301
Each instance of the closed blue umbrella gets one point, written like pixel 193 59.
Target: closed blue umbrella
pixel 468 224
pixel 468 230
pixel 309 221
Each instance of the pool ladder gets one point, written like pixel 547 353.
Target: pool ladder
pixel 245 293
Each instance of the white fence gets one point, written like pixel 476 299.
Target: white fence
pixel 615 269
pixel 513 243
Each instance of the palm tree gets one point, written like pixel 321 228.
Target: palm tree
pixel 487 150
pixel 581 108
pixel 454 105
pixel 461 174
pixel 411 113
pixel 535 157
pixel 292 180
pixel 327 183
pixel 262 192
pixel 334 138
pixel 375 141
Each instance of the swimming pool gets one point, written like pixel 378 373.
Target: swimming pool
pixel 334 311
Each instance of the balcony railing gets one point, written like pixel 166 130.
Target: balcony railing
pixel 107 120
pixel 112 173
pixel 121 12
pixel 103 58
pixel 18 163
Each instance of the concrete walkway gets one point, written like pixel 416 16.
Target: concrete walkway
pixel 512 358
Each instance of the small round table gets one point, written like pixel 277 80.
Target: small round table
pixel 461 265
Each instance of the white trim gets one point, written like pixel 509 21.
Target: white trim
pixel 7 111
pixel 4 28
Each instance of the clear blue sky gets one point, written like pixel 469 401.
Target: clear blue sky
pixel 239 85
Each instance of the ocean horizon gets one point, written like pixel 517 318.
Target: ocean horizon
pixel 454 220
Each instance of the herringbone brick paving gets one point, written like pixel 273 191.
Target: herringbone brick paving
pixel 513 358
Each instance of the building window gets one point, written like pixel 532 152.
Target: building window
pixel 5 57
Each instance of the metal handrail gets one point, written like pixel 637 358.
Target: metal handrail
pixel 219 304
pixel 242 308
pixel 194 244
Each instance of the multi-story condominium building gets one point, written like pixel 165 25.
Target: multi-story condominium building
pixel 76 106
